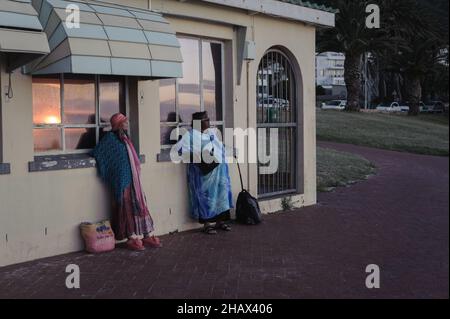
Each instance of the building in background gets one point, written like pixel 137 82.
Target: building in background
pixel 330 73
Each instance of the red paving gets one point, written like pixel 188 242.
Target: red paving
pixel 398 219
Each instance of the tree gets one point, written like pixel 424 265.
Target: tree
pixel 351 37
pixel 415 61
pixel 399 19
pixel 435 84
pixel 418 53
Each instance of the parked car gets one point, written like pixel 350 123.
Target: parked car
pixel 334 105
pixel 393 107
pixel 435 107
pixel 274 109
pixel 424 108
pixel 273 102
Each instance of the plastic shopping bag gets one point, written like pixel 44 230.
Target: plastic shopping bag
pixel 98 237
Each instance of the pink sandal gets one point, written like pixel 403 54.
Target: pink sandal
pixel 152 242
pixel 135 244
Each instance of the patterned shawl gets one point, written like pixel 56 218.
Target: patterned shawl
pixel 113 164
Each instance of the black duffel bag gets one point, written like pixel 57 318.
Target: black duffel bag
pixel 247 207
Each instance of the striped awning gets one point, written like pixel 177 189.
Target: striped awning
pixel 21 36
pixel 111 39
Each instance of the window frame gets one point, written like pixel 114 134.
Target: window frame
pixel 178 124
pixel 294 125
pixel 5 168
pixel 97 126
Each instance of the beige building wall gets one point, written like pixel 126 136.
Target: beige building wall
pixel 40 211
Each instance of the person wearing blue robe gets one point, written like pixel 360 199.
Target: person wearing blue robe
pixel 210 194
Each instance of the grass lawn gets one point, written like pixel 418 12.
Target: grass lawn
pixel 425 134
pixel 340 169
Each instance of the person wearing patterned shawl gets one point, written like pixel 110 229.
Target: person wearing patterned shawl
pixel 119 167
pixel 208 180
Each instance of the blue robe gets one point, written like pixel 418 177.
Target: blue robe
pixel 209 195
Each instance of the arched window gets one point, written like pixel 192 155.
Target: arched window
pixel 277 112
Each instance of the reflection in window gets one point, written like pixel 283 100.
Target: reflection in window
pixel 189 85
pixel 46 100
pixel 167 100
pixel 166 135
pixel 82 127
pixel 112 97
pixel 80 138
pixel 200 89
pixel 47 140
pixel 79 99
pixel 212 79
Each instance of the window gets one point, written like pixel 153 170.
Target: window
pixel 71 112
pixel 278 110
pixel 200 89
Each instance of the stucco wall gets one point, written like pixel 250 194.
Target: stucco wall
pixel 40 212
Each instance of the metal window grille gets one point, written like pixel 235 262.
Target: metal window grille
pixel 276 108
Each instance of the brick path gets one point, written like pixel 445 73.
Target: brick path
pixel 398 219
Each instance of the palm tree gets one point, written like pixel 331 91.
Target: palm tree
pixel 420 50
pixel 414 62
pixel 352 37
pixel 436 82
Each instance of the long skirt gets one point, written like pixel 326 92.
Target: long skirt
pixel 210 195
pixel 125 222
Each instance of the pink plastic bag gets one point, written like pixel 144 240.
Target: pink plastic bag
pixel 98 237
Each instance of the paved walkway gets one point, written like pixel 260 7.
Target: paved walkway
pixel 398 220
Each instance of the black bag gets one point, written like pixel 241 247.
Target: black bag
pixel 207 168
pixel 247 207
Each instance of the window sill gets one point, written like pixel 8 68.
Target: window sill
pixel 279 195
pixel 163 156
pixel 5 168
pixel 64 162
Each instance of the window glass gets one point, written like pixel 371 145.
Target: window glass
pixel 166 132
pixel 201 88
pixel 81 127
pixel 112 97
pixel 79 99
pixel 46 100
pixel 80 138
pixel 212 79
pixel 189 85
pixel 47 140
pixel 167 100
